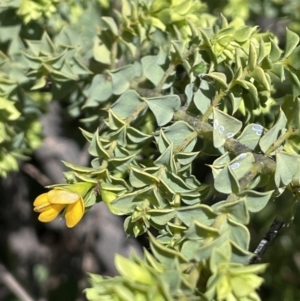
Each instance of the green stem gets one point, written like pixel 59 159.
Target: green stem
pixel 246 180
pixel 280 140
pixel 171 69
pixel 219 221
pixel 251 174
pixel 222 94
pixel 186 142
pixel 110 152
pixel 176 220
pixel 113 54
pixel 136 112
pixel 215 102
pixel 217 224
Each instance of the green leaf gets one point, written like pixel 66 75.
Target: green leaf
pixel 34 47
pixel 261 51
pixel 123 293
pixel 191 198
pixel 189 92
pixel 127 104
pixel 152 69
pixel 120 163
pixel 175 229
pixel 80 188
pixel 165 255
pixel 150 197
pixel 206 33
pixel 153 262
pixel 220 257
pixel 248 283
pixel 97 148
pixel 198 231
pixel 235 210
pixel 78 168
pixel 121 78
pixel 166 159
pixel 161 140
pixel 243 33
pixel 124 204
pixel 201 250
pixel 203 96
pixel 161 216
pixel 46 47
pixel 266 63
pixel 178 49
pixel 201 213
pixel 293 59
pixel 101 53
pixel 247 269
pixel 100 90
pixel 115 122
pixel 292 40
pixel 287 167
pixel 171 280
pixel 275 52
pixel 163 107
pixel 90 199
pixel 108 197
pixel 222 160
pixel 252 89
pixel 139 178
pixel 242 164
pixel 18 75
pixel 219 78
pixel 133 271
pixel 174 183
pixel 137 136
pixel 225 126
pixel 251 135
pixel 186 158
pixel 294 80
pixel 111 24
pixel 239 234
pixel 256 201
pixel 8 109
pixel 252 60
pixel 178 133
pixel 259 75
pixel 226 182
pixel 272 135
pixel 278 70
pixel 238 254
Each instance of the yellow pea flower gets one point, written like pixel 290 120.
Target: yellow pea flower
pixel 51 203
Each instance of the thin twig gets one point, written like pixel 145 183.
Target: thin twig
pixel 265 242
pixel 13 285
pixel 33 172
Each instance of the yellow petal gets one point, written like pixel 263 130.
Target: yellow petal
pixel 41 199
pixel 42 208
pixel 51 213
pixel 74 213
pixel 41 202
pixel 59 196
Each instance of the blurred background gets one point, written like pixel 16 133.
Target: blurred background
pixel 52 262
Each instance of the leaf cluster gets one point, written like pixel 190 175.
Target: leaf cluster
pixel 228 96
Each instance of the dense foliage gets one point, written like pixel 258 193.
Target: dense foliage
pixel 192 124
